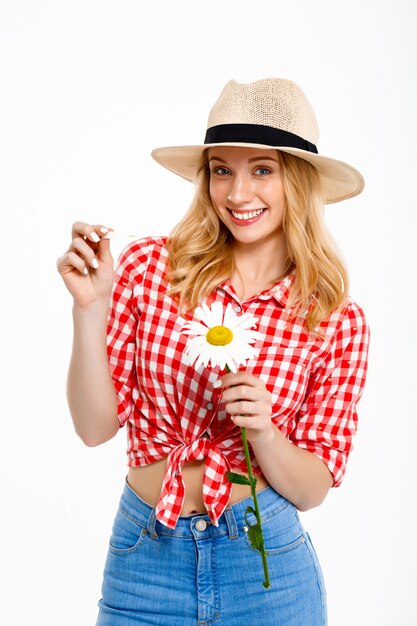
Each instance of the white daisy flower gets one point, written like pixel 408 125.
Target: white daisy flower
pixel 220 337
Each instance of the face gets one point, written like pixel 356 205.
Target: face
pixel 246 187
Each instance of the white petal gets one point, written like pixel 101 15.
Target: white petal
pixel 194 353
pixel 231 361
pixel 222 357
pixel 200 361
pixel 216 314
pixel 229 317
pixel 210 353
pixel 195 328
pixel 248 336
pixel 209 316
pixel 246 321
pixel 252 353
pixel 200 314
pixel 205 314
pixel 196 342
pixel 237 353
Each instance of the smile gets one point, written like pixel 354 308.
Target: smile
pixel 246 216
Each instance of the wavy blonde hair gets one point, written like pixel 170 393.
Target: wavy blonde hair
pixel 201 257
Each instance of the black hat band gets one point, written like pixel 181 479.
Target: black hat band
pixel 257 133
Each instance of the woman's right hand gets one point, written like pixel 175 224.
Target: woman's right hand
pixel 87 266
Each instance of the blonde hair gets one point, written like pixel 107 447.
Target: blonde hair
pixel 201 258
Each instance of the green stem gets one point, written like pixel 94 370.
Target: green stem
pixel 267 581
pixel 252 480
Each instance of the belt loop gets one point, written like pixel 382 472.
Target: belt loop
pixel 151 525
pixel 231 523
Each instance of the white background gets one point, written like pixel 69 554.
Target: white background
pixel 88 88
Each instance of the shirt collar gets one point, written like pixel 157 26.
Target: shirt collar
pixel 280 291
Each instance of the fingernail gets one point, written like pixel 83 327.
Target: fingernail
pixel 94 237
pixel 217 383
pixel 104 230
pixel 94 263
pixel 85 271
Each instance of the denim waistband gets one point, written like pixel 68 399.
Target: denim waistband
pixel 231 521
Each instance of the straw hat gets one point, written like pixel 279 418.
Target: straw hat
pixel 269 113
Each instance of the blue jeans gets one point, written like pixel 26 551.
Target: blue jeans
pixel 197 574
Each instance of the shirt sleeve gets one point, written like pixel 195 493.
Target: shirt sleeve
pixel 327 421
pixel 121 335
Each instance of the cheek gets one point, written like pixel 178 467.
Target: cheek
pixel 215 201
pixel 275 191
pixel 277 200
pixel 218 193
pixel 213 194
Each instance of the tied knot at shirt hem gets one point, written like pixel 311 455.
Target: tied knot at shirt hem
pixel 216 487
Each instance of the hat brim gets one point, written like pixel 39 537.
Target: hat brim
pixel 339 180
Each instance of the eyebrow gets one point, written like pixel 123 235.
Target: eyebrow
pixel 260 158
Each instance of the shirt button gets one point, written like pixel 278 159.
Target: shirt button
pixel 237 308
pixel 209 406
pixel 201 525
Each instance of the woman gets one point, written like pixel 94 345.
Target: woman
pixel 254 237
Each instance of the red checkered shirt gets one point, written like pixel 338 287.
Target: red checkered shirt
pixel 173 411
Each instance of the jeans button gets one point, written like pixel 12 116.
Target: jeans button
pixel 201 525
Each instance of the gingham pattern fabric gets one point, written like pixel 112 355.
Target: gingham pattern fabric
pixel 172 410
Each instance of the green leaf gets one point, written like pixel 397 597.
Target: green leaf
pixel 237 478
pixel 255 535
pixel 249 509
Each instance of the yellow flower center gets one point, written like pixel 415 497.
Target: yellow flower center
pixel 219 336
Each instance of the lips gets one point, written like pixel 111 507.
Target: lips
pixel 245 218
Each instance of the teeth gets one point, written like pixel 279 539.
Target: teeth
pixel 248 215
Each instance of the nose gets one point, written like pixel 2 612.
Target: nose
pixel 240 190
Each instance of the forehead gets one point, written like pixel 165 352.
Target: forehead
pixel 239 153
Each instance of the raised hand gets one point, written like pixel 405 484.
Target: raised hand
pixel 87 265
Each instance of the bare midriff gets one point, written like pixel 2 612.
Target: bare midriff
pixel 147 481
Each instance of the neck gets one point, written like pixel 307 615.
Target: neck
pixel 261 262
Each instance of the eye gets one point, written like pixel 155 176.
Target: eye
pixel 221 171
pixel 262 171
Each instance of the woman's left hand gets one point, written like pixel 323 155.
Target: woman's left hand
pixel 250 405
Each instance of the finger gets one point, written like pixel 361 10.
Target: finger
pixel 241 392
pixel 90 232
pixel 242 407
pixel 249 422
pixel 87 231
pixel 93 235
pixel 84 250
pixel 243 421
pixel 69 262
pixel 103 252
pixel 241 378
